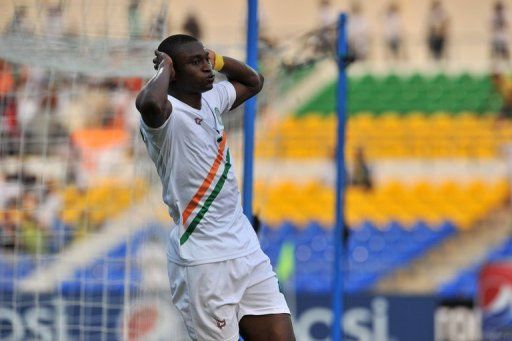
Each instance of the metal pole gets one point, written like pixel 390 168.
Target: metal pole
pixel 250 109
pixel 338 300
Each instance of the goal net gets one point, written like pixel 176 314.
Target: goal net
pixel 82 225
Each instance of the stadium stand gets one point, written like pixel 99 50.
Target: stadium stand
pixel 95 204
pixel 463 205
pixel 391 117
pixel 373 252
pixel 404 94
pixel 109 272
pixel 388 135
pixel 390 226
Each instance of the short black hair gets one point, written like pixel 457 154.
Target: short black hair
pixel 172 43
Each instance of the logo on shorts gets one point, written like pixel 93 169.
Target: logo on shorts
pixel 198 120
pixel 220 323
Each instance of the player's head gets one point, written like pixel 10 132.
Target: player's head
pixel 190 60
pixel 499 6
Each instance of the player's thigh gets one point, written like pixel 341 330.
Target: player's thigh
pixel 263 312
pixel 197 293
pixel 272 327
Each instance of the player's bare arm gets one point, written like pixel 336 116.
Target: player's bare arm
pixel 152 100
pixel 246 81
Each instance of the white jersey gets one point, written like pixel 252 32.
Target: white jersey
pixel 194 163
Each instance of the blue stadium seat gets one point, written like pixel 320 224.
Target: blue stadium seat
pixel 108 272
pixel 374 253
pixel 13 269
pixel 364 232
pixel 271 239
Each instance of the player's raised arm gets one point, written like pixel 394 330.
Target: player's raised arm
pixel 247 81
pixel 152 100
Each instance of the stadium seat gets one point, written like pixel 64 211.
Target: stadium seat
pixel 414 93
pixel 95 203
pixel 461 204
pixel 390 135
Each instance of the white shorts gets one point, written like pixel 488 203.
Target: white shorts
pixel 212 298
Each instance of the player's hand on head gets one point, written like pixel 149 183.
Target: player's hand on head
pixel 161 59
pixel 211 57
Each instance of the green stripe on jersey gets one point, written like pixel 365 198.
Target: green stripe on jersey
pixel 197 219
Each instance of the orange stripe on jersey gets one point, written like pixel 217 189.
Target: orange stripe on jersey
pixel 206 182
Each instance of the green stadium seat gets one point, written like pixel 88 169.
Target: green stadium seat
pixel 409 93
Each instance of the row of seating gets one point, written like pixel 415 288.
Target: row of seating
pixel 95 204
pixel 13 269
pixel 417 135
pixel 462 204
pixel 113 272
pixel 373 252
pixel 416 92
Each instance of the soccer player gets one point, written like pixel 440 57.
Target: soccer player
pixel 221 281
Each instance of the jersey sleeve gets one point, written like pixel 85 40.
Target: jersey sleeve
pixel 227 95
pixel 155 136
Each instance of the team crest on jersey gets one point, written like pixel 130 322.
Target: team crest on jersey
pixel 221 323
pixel 198 120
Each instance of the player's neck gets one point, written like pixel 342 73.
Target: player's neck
pixel 189 98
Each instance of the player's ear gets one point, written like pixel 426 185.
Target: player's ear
pixel 176 74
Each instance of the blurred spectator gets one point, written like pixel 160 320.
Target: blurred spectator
pixel 9 190
pixel 327 16
pixel 358 32
pixel 499 32
pixel 393 32
pixel 9 129
pixel 50 206
pixel 361 175
pixel 38 103
pixel 83 225
pixel 6 79
pixel 28 180
pixel 74 174
pixel 18 23
pixel 33 233
pixel 122 101
pixel 8 228
pixel 17 184
pixel 134 24
pixel 503 86
pixel 158 28
pixel 54 21
pixel 27 98
pixel 192 27
pixel 266 42
pixel 47 214
pixel 437 28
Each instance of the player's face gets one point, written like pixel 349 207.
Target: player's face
pixel 193 69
